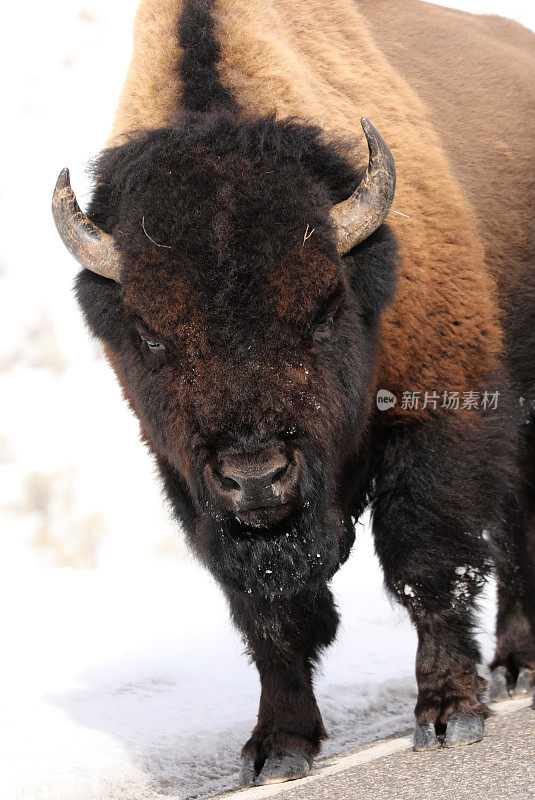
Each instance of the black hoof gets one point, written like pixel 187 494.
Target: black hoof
pixel 463 729
pixel 524 682
pixel 276 769
pixel 247 772
pixel 499 685
pixel 425 737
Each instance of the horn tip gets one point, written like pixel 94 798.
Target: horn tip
pixel 64 179
pixel 368 127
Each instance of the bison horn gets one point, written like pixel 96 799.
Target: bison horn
pixel 93 248
pixel 361 214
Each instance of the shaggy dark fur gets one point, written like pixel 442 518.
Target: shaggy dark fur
pixel 433 518
pixel 238 301
pixel 229 262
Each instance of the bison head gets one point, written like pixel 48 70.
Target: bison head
pixel 238 294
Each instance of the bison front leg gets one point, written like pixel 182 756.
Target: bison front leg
pixel 436 494
pixel 284 637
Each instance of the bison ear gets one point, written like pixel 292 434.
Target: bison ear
pixel 92 248
pixel 373 272
pixel 361 214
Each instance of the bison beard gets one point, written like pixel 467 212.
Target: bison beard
pixel 301 552
pixel 281 561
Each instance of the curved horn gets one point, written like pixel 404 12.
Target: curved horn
pixel 361 214
pixel 94 249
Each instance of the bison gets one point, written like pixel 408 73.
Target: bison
pixel 296 352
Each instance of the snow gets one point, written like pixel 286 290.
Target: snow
pixel 121 674
pixel 128 681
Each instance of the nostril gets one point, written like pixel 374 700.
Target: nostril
pixel 280 473
pixel 226 480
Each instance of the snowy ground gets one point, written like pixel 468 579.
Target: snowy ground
pixel 121 676
pixel 133 684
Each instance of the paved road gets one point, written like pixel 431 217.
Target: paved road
pixel 502 767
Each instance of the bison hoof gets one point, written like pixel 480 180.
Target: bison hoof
pixel 463 729
pixel 425 737
pixel 499 685
pixel 460 729
pixel 296 764
pixel 524 682
pixel 247 772
pixel 276 768
pixel 502 687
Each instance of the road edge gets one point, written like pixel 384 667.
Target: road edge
pixel 362 754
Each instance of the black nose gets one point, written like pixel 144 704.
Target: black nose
pixel 253 481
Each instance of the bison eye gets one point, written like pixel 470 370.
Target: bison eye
pixel 327 313
pixel 154 346
pixel 323 328
pixel 153 352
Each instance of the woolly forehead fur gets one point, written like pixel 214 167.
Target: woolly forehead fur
pixel 232 217
pixel 322 64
